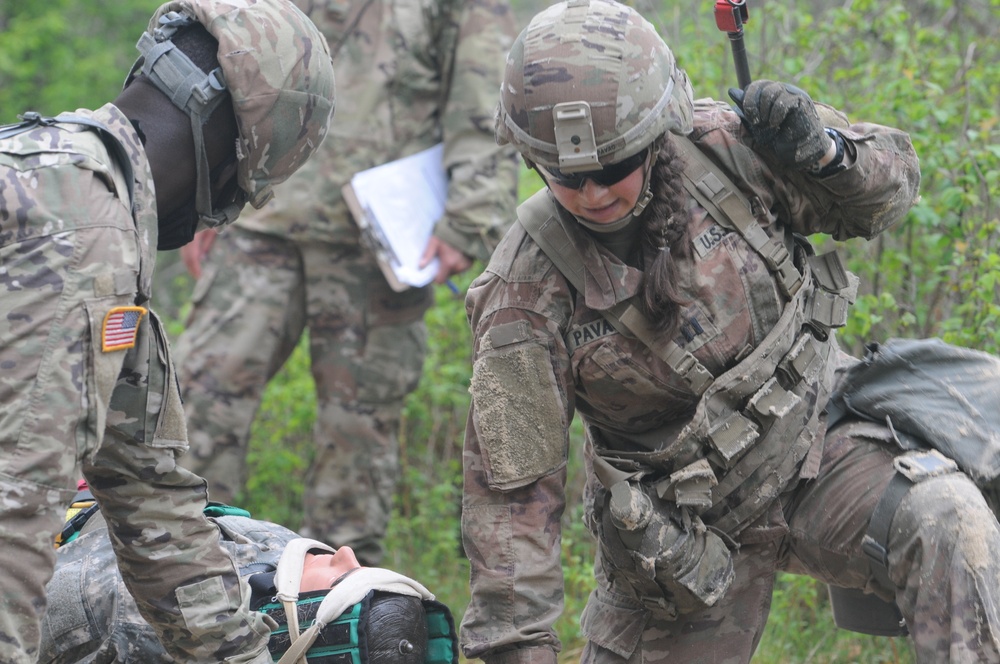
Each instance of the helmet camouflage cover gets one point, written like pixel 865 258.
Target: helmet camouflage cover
pixel 276 66
pixel 589 83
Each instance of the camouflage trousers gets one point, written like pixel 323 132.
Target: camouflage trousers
pixel 942 563
pixel 256 297
pixel 58 390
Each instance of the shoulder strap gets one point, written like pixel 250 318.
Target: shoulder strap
pixel 536 216
pixel 726 203
pixel 31 119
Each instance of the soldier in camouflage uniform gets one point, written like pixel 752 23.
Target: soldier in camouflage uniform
pixel 87 383
pixel 411 73
pixel 92 617
pixel 677 314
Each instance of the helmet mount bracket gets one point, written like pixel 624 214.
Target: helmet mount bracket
pixel 574 130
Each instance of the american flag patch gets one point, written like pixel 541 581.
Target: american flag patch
pixel 120 328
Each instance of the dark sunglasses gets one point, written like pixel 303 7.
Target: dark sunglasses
pixel 610 175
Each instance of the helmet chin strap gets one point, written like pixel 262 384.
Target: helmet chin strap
pixel 196 93
pixel 647 182
pixel 609 227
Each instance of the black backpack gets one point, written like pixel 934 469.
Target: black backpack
pixel 932 395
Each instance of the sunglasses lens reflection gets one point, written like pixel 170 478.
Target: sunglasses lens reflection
pixel 610 175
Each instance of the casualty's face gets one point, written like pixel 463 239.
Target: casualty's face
pixel 320 571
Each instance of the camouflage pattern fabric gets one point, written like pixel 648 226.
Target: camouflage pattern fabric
pixel 87 384
pixel 259 294
pixel 634 89
pixel 544 351
pixel 409 75
pixel 91 615
pixel 941 544
pixel 817 530
pixel 276 68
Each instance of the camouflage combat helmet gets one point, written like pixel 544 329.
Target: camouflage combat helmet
pixel 590 83
pixel 275 65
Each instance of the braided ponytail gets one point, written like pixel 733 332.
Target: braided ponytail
pixel 664 236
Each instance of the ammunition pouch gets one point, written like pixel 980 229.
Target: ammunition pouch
pixel 756 423
pixel 751 431
pixel 669 559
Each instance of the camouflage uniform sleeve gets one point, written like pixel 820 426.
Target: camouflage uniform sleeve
pixel 185 583
pixel 516 448
pixel 872 194
pixel 90 611
pixel 482 175
pixel 875 191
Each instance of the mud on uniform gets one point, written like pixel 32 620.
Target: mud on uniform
pixel 543 352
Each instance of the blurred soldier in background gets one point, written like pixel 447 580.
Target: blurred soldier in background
pixel 227 100
pixel 410 75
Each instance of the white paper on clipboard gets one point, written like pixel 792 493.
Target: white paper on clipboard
pixel 396 206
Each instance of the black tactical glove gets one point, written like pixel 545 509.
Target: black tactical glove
pixel 782 119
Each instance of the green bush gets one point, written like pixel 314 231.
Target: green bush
pixel 60 55
pixel 801 629
pixel 280 448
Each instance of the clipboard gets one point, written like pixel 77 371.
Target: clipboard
pixel 396 206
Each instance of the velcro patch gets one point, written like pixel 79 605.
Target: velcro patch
pixel 520 416
pixel 121 325
pixel 509 333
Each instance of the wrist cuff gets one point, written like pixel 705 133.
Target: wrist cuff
pixel 836 164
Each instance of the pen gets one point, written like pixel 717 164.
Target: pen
pixel 452 287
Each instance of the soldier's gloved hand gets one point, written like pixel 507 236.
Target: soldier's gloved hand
pixel 783 119
pixel 644 537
